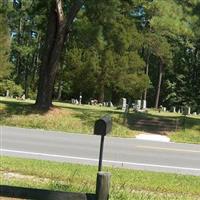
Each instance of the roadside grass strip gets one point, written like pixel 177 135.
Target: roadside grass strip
pixel 67 117
pixel 125 184
pixel 63 117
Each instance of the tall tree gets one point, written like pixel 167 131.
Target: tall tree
pixel 104 54
pixel 166 24
pixel 58 30
pixel 5 65
pixel 117 45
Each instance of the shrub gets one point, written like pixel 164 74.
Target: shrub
pixel 14 89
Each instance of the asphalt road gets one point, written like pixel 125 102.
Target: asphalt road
pixel 118 152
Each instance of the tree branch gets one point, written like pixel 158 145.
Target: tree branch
pixel 73 12
pixel 60 12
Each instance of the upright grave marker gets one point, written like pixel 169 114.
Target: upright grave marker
pixel 139 104
pixel 124 103
pixel 144 104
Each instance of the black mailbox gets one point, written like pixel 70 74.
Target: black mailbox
pixel 103 125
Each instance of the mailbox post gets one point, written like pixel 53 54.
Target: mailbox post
pixel 102 127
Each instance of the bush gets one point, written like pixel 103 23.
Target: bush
pixel 14 89
pixel 32 95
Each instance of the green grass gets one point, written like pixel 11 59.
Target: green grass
pixel 188 129
pixel 125 184
pixel 63 117
pixel 190 133
pixel 75 118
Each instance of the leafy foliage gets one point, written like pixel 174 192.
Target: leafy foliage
pixel 115 49
pixel 4 47
pixel 14 90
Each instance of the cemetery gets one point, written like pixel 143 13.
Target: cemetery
pixel 128 121
pixel 80 74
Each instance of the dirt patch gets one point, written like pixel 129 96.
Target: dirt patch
pixel 57 112
pixel 11 175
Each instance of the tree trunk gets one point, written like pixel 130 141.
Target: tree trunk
pixel 159 84
pixel 147 71
pixel 26 84
pixel 60 82
pixel 57 32
pixel 101 92
pixel 101 83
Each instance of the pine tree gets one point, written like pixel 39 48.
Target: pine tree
pixel 5 65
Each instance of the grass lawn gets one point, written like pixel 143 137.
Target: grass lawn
pixel 63 117
pixel 75 118
pixel 125 184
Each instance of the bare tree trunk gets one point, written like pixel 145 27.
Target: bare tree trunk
pixel 159 84
pixel 101 83
pixel 57 32
pixel 101 92
pixel 26 84
pixel 60 78
pixel 147 72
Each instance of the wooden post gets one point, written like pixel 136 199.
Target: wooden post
pixel 39 194
pixel 103 186
pixel 101 153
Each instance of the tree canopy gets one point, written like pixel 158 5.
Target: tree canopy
pixel 103 49
pixel 4 45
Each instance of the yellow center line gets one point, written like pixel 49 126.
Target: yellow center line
pixel 169 149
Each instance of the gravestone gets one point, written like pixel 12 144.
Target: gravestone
pixel 189 110
pixel 73 101
pixel 144 104
pixel 124 102
pixel 174 109
pixel 110 104
pixel 186 110
pixel 23 97
pixel 7 93
pixel 80 98
pixel 139 104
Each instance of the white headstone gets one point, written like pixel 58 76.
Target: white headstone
pixel 7 93
pixel 80 99
pixel 23 97
pixel 73 101
pixel 139 104
pixel 144 104
pixel 110 104
pixel 124 102
pixel 174 109
pixel 189 111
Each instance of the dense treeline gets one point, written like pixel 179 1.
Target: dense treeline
pixel 105 50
